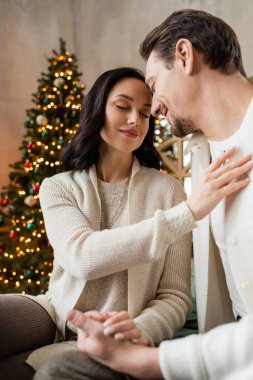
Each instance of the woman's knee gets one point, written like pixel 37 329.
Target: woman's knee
pixel 24 325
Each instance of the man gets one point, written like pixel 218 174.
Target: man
pixel 194 69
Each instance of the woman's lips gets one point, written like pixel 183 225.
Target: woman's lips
pixel 129 133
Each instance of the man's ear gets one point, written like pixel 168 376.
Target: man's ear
pixel 184 55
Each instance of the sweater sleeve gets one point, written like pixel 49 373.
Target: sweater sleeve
pixel 89 254
pixel 222 353
pixel 166 314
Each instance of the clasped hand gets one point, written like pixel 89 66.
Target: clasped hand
pixel 119 325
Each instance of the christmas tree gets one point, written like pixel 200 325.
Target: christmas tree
pixel 25 253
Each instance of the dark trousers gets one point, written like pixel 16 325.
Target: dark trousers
pixel 74 365
pixel 24 326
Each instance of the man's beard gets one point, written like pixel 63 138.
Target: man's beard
pixel 182 127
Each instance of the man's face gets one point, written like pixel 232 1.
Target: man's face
pixel 171 97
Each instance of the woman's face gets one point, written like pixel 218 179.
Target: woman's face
pixel 127 115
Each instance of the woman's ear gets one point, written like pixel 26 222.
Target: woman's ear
pixel 184 55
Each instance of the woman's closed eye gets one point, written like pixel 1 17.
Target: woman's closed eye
pixel 144 115
pixel 122 107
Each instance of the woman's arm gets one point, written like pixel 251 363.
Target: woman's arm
pixel 92 254
pixel 89 254
pixel 167 313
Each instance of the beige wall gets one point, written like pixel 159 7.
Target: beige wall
pixel 102 33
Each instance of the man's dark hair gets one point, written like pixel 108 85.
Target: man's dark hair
pixel 83 150
pixel 208 34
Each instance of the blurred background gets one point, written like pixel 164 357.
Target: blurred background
pixel 103 34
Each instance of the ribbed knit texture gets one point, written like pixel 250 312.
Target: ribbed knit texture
pixel 154 248
pixel 109 292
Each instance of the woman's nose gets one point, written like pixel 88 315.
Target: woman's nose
pixel 133 118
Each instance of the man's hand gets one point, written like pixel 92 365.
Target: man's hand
pixel 122 356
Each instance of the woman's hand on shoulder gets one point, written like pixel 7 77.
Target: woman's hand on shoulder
pixel 221 179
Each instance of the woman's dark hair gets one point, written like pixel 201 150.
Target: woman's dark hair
pixel 208 34
pixel 83 150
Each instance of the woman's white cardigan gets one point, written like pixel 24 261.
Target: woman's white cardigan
pixel 155 247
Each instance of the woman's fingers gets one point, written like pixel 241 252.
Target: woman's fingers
pixel 142 341
pixel 119 327
pixel 97 315
pixel 215 185
pixel 233 174
pixel 231 165
pixel 116 317
pixel 221 160
pixel 233 187
pixel 128 335
pixel 122 327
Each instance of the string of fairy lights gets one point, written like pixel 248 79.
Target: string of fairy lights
pixel 25 253
pixel 26 257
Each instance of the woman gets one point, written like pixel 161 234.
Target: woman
pixel 119 227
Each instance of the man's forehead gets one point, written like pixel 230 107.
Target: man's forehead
pixel 152 67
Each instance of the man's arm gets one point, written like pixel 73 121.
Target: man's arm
pixel 219 354
pixel 137 360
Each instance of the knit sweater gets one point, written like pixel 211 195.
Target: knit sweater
pixel 154 247
pixel 109 292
